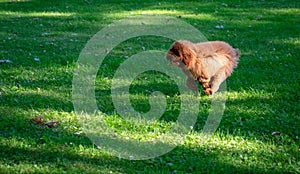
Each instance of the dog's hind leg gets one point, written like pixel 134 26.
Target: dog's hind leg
pixel 217 79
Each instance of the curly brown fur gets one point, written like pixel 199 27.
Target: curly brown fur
pixel 210 63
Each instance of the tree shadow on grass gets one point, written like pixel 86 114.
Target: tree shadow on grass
pixel 28 101
pixel 180 160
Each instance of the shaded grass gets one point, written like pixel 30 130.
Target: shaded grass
pixel 262 92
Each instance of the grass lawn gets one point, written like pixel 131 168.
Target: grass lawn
pixel 43 40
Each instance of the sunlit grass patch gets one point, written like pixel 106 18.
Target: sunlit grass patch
pixel 176 13
pixel 34 14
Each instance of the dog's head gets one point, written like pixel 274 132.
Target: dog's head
pixel 180 53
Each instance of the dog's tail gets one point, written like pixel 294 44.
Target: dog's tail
pixel 237 53
pixel 235 58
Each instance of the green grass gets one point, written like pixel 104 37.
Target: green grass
pixel 263 92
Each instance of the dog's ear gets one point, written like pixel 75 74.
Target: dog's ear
pixel 183 51
pixel 175 50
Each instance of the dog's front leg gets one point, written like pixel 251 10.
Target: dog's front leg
pixel 202 76
pixel 191 83
pixel 207 88
pixel 205 82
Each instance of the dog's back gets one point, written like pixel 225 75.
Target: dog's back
pixel 219 54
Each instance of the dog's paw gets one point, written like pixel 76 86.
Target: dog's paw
pixel 208 91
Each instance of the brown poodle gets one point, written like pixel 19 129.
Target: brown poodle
pixel 210 63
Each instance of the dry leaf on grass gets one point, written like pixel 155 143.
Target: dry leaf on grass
pixel 38 120
pixel 52 124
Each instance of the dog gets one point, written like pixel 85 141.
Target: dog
pixel 209 63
